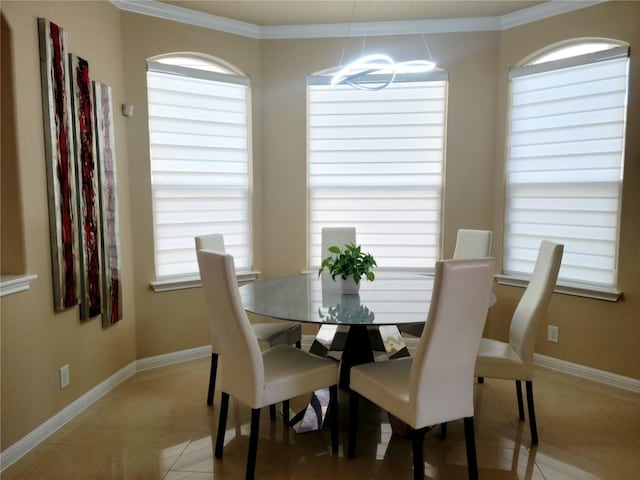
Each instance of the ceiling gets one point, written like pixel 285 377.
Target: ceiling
pixel 305 12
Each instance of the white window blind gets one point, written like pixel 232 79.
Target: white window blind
pixel 199 139
pixel 375 162
pixel 564 178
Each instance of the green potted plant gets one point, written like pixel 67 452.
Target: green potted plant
pixel 351 264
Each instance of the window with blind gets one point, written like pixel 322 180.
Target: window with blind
pixel 200 160
pixel 565 155
pixel 375 162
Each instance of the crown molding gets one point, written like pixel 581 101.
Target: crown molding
pixel 337 30
pixel 408 27
pixel 542 11
pixel 173 13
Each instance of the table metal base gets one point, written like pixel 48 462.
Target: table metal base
pixel 357 344
pixel 352 345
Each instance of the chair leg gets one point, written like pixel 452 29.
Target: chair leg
pixel 212 378
pixel 353 423
pixel 253 444
pixel 519 395
pixel 470 441
pixel 285 412
pixel 222 424
pixel 443 431
pixel 417 440
pixel 333 412
pixel 532 412
pixel 298 344
pixel 272 412
pixel 480 379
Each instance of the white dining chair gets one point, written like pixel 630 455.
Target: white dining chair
pixel 336 236
pixel 269 333
pixel 513 360
pixel 436 385
pixel 255 378
pixel 469 244
pixel 473 244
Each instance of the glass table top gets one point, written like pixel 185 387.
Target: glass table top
pixel 393 298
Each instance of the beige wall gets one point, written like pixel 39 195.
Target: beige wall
pixel 12 255
pixel 36 342
pixel 594 333
pixel 470 59
pixel 171 321
pixel 278 70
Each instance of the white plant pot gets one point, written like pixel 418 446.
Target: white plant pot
pixel 349 286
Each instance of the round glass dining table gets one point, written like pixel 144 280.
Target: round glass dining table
pixel 355 325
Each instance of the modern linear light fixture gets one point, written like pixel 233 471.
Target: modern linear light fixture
pixel 377 71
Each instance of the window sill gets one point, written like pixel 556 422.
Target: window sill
pixel 575 289
pixel 181 283
pixel 10 284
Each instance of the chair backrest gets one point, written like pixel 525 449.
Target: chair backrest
pixel 473 244
pixel 533 304
pixel 444 363
pixel 338 236
pixel 243 368
pixel 213 242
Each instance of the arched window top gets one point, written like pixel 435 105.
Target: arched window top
pixel 197 61
pixel 197 65
pixel 572 48
pixel 571 53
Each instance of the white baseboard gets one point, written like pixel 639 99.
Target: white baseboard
pixel 172 358
pixel 23 446
pixel 600 376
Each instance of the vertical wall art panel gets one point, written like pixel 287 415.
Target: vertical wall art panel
pixel 61 183
pixel 88 204
pixel 112 290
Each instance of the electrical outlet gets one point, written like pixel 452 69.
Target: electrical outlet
pixel 64 376
pixel 552 333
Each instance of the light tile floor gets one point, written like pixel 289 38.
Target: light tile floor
pixel 156 425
